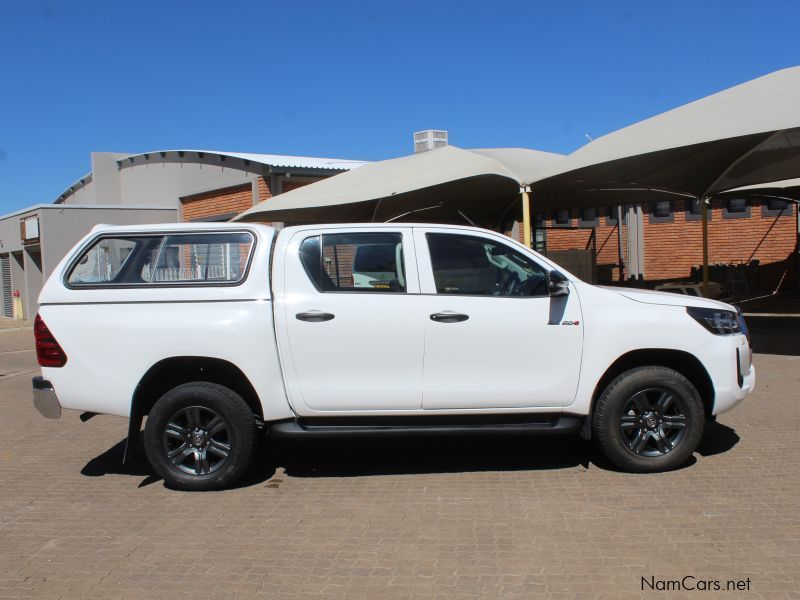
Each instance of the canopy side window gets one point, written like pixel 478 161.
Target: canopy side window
pixel 152 260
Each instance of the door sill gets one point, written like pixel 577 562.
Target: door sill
pixel 328 427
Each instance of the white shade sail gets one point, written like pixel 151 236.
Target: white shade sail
pixel 745 135
pixel 480 183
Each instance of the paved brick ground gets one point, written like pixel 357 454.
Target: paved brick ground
pixel 457 518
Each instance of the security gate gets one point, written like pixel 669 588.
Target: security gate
pixel 5 277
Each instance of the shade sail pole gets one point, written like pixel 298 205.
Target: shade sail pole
pixel 704 215
pixel 621 258
pixel 527 238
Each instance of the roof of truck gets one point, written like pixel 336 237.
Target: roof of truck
pixel 160 227
pixel 203 226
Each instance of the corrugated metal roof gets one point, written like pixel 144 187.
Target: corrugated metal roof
pixel 71 189
pixel 281 161
pixel 273 160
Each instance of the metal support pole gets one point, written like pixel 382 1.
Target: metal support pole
pixel 704 214
pixel 527 238
pixel 621 259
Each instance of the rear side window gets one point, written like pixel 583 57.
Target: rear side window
pixel 355 262
pixel 213 258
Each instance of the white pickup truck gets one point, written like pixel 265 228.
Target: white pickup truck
pixel 215 331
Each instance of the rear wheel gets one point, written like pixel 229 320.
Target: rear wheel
pixel 649 419
pixel 200 436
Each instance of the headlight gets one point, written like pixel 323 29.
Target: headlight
pixel 719 322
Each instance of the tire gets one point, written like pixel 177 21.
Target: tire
pixel 649 419
pixel 200 436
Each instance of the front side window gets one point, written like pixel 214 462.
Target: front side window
pixel 355 262
pixel 185 258
pixel 474 266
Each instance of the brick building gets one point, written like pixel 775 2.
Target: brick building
pixel 127 189
pixel 759 232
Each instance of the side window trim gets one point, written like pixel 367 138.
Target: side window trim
pixel 164 234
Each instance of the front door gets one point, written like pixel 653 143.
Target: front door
pixel 352 321
pixel 493 336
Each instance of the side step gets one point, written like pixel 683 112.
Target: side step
pixel 330 427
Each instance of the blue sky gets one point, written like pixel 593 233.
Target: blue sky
pixel 354 79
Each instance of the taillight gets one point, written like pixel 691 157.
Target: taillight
pixel 48 351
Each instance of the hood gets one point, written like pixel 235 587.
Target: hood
pixel 668 298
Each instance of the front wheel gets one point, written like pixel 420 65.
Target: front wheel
pixel 649 419
pixel 200 436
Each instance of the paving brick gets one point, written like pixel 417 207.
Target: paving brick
pixel 454 518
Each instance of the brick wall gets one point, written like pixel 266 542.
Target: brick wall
pixel 606 241
pixel 672 248
pixel 217 202
pixel 264 190
pixel 232 199
pixel 293 184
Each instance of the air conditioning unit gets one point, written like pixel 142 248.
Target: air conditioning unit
pixel 429 139
pixel 29 230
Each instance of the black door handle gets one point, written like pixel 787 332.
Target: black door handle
pixel 314 316
pixel 449 317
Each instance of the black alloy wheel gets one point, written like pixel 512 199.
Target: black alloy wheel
pixel 200 436
pixel 653 422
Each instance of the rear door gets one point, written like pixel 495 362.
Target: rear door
pixel 493 336
pixel 351 331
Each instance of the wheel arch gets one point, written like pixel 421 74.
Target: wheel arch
pixel 171 372
pixel 683 362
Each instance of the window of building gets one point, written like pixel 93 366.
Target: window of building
pixel 540 234
pixel 661 211
pixel 355 262
pixel 589 218
pixel 562 218
pixel 775 207
pixel 694 210
pixel 736 208
pixel 212 258
pixel 475 266
pixel 611 215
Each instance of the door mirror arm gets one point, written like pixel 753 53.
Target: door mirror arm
pixel 557 284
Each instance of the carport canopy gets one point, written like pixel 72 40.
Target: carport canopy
pixel 746 135
pixel 483 185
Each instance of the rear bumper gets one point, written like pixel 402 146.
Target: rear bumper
pixel 45 399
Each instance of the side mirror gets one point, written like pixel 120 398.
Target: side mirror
pixel 557 284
